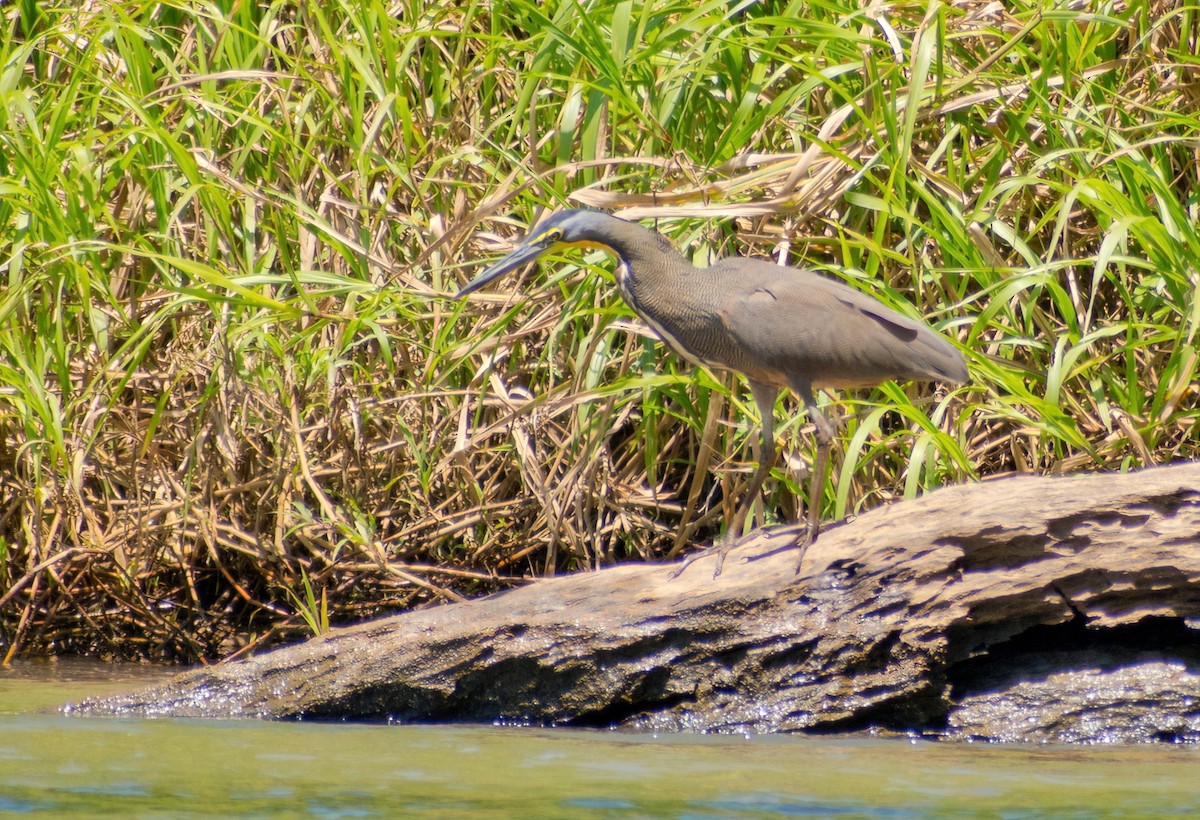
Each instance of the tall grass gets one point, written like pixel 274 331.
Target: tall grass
pixel 232 383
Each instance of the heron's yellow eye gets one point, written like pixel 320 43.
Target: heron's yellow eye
pixel 553 235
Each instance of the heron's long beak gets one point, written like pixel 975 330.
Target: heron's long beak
pixel 525 253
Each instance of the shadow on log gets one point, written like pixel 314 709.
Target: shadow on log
pixel 1026 608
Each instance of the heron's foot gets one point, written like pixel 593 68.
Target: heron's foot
pixel 685 563
pixel 695 556
pixel 720 549
pixel 802 545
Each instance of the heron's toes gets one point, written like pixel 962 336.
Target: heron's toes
pixel 720 550
pixel 685 563
pixel 802 545
pixel 721 553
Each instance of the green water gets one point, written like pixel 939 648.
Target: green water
pixel 52 765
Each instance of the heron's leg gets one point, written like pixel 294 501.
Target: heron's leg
pixel 764 397
pixel 816 482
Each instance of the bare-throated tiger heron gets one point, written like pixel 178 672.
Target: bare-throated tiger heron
pixel 780 327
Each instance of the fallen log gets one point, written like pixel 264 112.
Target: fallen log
pixel 1023 608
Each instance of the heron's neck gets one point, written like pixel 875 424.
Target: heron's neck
pixel 642 251
pixel 649 270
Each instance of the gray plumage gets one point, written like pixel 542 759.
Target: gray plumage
pixel 781 327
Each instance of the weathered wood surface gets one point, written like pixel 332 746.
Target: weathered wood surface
pixel 1026 608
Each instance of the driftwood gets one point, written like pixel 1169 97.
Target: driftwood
pixel 1027 608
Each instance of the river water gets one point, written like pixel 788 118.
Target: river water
pixel 55 765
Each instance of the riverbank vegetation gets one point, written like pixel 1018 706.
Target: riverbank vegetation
pixel 237 403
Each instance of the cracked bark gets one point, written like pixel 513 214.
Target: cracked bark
pixel 1025 608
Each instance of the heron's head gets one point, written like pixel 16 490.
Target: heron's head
pixel 574 228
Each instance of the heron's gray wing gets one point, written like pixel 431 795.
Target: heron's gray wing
pixel 796 324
